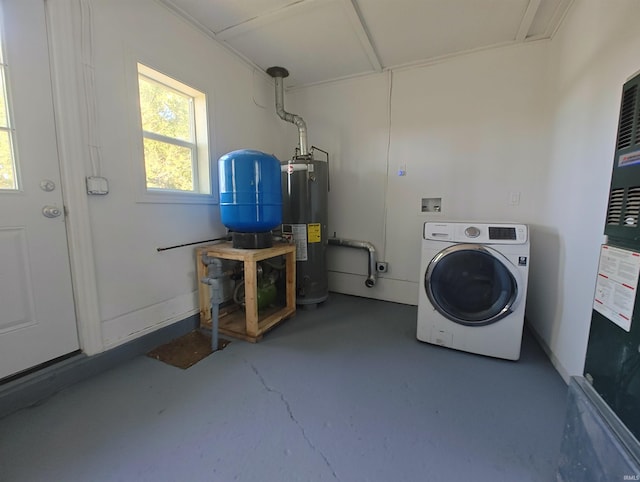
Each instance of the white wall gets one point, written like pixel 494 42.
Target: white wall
pixel 469 130
pixel 139 288
pixel 538 119
pixel 592 55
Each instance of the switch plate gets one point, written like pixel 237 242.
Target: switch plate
pixel 514 198
pixel 97 185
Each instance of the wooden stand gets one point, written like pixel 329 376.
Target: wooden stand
pixel 247 325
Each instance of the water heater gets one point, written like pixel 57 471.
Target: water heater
pixel 305 187
pixel 305 183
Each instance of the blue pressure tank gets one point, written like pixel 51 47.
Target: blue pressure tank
pixel 250 191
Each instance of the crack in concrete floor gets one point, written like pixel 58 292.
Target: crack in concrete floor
pixel 294 419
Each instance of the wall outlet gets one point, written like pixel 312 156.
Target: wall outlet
pixel 382 267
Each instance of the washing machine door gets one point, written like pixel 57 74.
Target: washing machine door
pixel 472 284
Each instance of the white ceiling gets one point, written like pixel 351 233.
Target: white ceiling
pixel 321 40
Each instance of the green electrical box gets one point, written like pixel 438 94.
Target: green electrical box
pixel 624 196
pixel 613 353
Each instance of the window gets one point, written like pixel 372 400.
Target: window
pixel 8 170
pixel 174 131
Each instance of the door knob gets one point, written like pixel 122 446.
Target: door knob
pixel 51 211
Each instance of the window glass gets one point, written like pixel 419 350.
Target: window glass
pixel 3 103
pixel 165 111
pixel 168 166
pixel 8 171
pixel 174 130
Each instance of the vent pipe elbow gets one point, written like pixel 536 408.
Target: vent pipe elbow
pixel 278 74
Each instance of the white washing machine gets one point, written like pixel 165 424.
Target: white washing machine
pixel 473 287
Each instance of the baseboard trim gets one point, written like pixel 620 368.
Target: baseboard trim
pixel 36 387
pixel 564 373
pixel 386 289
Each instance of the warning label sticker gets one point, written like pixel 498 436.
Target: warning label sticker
pixel 616 285
pixel 299 232
pixel 314 233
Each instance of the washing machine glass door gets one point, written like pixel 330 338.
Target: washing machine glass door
pixel 471 284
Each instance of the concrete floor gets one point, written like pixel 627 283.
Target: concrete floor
pixel 344 393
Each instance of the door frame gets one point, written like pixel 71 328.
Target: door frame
pixel 68 32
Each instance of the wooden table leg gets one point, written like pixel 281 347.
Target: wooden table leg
pixel 251 297
pixel 290 266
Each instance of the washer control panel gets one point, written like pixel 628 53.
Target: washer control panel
pixel 502 233
pixel 498 233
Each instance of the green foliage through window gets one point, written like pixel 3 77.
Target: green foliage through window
pixel 7 170
pixel 169 134
pixel 167 166
pixel 165 111
pixel 8 178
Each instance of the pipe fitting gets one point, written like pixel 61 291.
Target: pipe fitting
pixel 372 276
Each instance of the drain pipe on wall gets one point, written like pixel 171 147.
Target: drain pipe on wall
pixel 370 282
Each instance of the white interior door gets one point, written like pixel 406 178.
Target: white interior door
pixel 37 319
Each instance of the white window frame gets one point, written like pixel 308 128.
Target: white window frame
pixel 204 191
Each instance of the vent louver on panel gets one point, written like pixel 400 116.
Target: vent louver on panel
pixel 614 211
pixel 637 139
pixel 632 207
pixel 625 127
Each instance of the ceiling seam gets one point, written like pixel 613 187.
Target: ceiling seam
pixel 527 20
pixel 421 63
pixel 362 32
pixel 558 18
pixel 179 12
pixel 266 18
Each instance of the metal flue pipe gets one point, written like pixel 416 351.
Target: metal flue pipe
pixel 279 73
pixel 372 277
